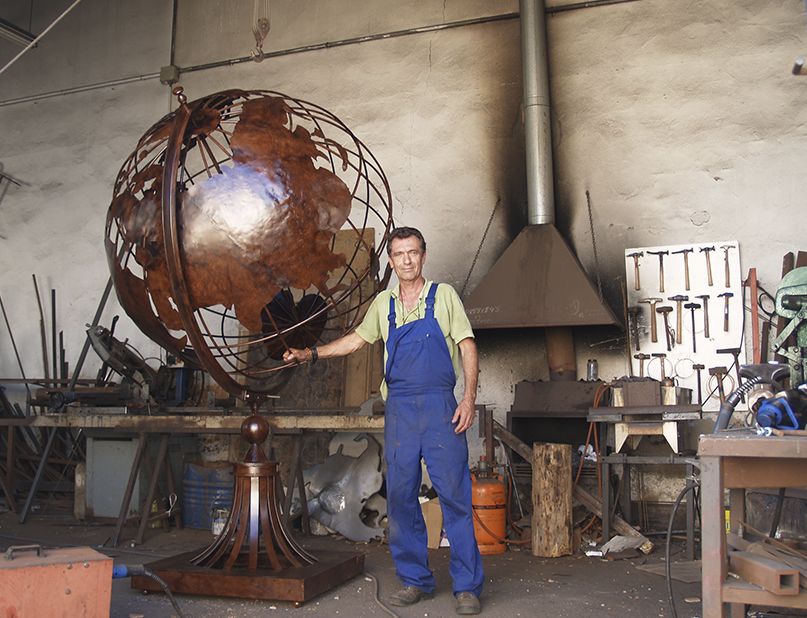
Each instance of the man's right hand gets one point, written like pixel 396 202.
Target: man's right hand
pixel 293 355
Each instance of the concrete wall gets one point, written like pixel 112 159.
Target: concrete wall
pixel 681 119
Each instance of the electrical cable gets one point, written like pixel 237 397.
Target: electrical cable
pixel 127 570
pixel 667 566
pixel 377 598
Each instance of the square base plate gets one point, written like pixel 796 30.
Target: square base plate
pixel 296 584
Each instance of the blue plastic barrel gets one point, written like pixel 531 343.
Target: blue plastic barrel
pixel 205 487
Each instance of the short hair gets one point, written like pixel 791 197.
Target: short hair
pixel 405 232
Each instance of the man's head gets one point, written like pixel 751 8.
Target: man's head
pixel 407 253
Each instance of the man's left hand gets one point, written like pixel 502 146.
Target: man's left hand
pixel 464 416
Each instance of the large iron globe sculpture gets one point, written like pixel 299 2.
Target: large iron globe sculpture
pixel 240 227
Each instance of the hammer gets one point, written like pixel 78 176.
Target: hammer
pixel 679 323
pixel 641 357
pixel 707 253
pixel 685 253
pixel 662 359
pixel 698 368
pixel 735 354
pixel 726 249
pixel 727 296
pixel 719 373
pixel 660 255
pixel 705 299
pixel 636 255
pixel 665 312
pixel 692 307
pixel 653 327
pixel 633 324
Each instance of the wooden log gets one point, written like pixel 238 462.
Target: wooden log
pixel 551 500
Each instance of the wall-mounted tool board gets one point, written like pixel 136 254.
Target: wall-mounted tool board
pixel 681 358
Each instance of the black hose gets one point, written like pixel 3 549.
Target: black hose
pixel 728 406
pixel 149 573
pixel 668 567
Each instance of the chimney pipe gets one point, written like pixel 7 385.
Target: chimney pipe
pixel 537 129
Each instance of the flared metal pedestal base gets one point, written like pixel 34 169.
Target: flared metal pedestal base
pixel 295 584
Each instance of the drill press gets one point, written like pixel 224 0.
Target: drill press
pixel 791 302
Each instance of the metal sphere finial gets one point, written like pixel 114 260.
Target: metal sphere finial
pixel 178 92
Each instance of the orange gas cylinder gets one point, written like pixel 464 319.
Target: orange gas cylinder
pixel 488 502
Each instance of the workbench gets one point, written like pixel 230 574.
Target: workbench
pixel 738 461
pixel 204 421
pixel 650 420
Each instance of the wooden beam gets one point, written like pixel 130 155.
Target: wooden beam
pixel 198 424
pixel 618 524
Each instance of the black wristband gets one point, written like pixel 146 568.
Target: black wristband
pixel 314 354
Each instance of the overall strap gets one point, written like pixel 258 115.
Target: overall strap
pixel 391 315
pixel 430 300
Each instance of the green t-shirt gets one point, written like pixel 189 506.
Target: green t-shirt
pixel 448 310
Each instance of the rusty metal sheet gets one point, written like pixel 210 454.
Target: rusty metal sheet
pixel 537 282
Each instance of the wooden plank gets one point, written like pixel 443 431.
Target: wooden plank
pixel 198 424
pixel 769 574
pixel 762 472
pixel 512 441
pixel 617 523
pixel 751 445
pixel 551 500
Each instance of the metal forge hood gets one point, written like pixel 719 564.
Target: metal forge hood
pixel 537 282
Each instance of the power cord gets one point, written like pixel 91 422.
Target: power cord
pixel 122 570
pixel 691 485
pixel 377 598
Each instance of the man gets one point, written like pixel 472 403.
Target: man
pixel 428 341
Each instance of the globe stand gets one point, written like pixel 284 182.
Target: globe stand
pixel 255 556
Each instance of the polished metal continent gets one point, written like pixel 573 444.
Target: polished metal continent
pixel 223 235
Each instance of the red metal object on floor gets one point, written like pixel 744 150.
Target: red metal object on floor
pixel 73 581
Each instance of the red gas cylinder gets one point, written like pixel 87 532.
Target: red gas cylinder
pixel 488 500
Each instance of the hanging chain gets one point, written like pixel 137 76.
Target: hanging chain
pixel 594 245
pixel 479 249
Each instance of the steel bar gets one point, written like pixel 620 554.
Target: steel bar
pixel 14 346
pixel 771 575
pixel 127 494
pixel 97 318
pixel 690 513
pixel 54 357
pixel 160 460
pixel 38 477
pixel 8 481
pixel 43 337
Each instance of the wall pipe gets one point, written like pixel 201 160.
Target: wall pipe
pixel 537 128
pixel 306 48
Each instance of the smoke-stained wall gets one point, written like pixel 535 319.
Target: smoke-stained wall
pixel 681 119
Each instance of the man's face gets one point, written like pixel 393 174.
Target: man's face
pixel 406 258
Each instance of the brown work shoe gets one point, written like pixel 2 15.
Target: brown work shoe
pixel 409 595
pixel 467 603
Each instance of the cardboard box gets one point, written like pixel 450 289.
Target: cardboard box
pixel 433 515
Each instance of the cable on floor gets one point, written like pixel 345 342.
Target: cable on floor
pixel 377 598
pixel 667 566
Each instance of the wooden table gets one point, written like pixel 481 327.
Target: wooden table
pixel 740 461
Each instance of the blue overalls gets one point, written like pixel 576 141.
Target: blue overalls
pixel 420 404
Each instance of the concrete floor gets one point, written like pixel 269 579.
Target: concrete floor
pixel 518 584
